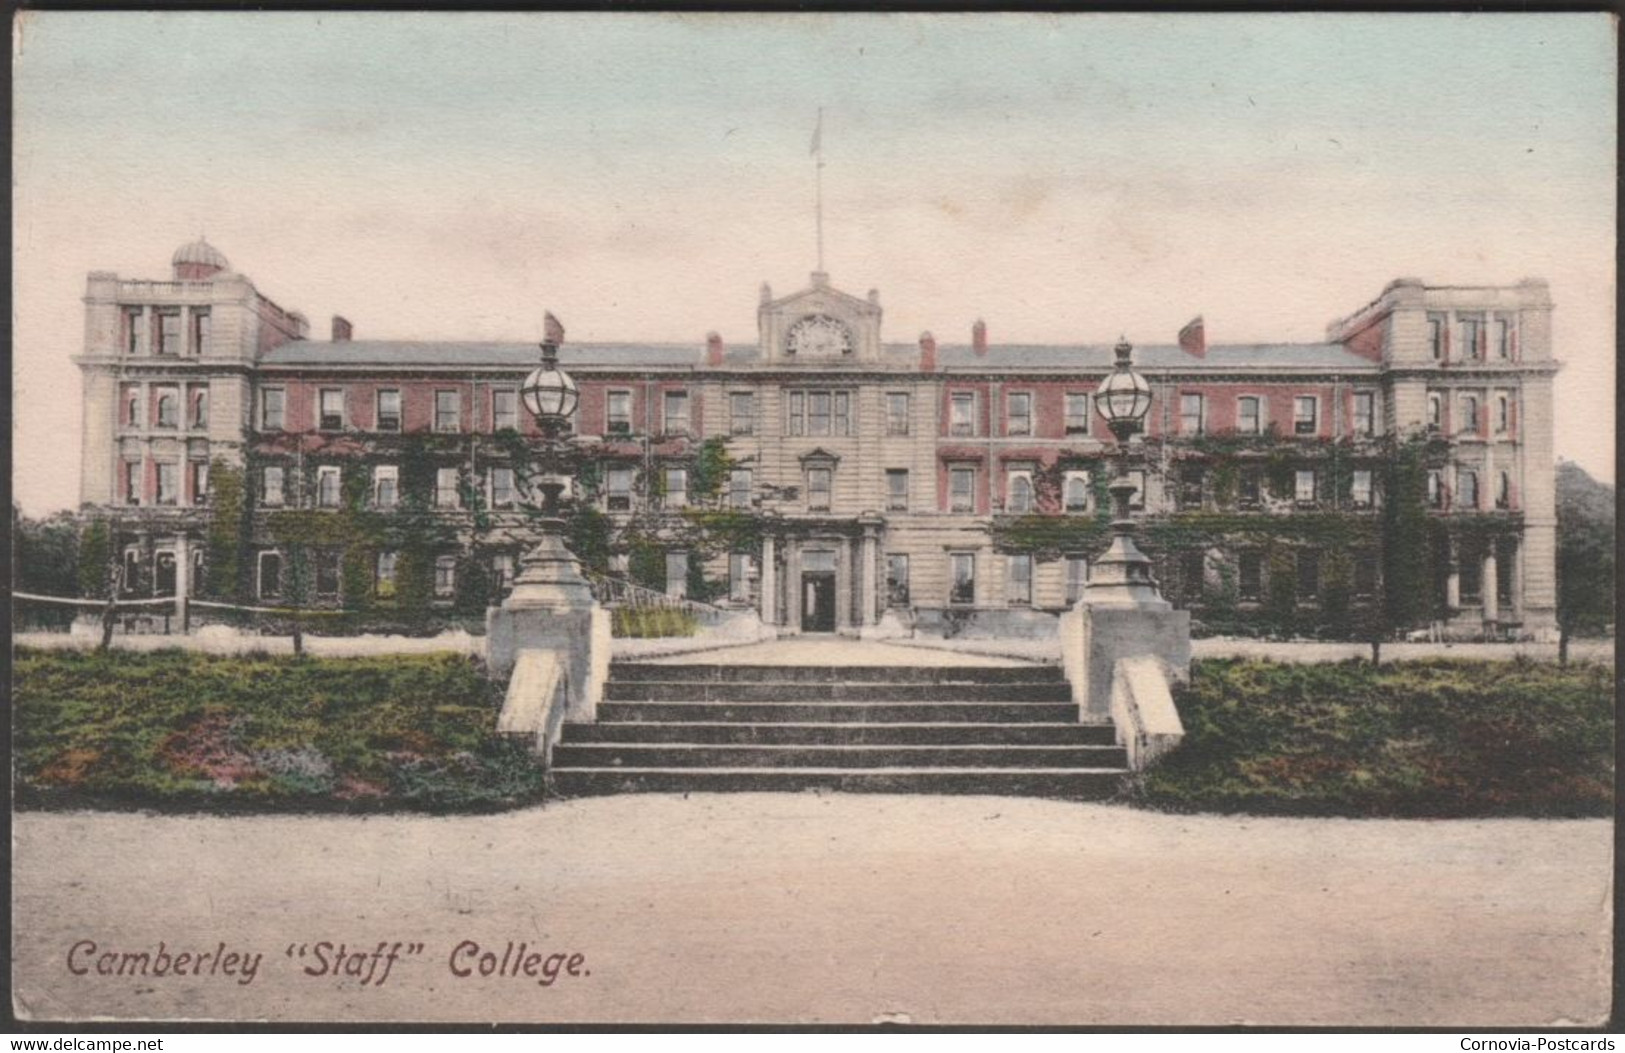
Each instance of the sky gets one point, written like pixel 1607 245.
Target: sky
pixel 1066 177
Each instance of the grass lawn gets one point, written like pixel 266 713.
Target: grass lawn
pixel 187 730
pixel 1438 738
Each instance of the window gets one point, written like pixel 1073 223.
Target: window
pixel 1018 580
pixel 896 579
pixel 328 562
pixel 446 493
pixel 504 410
pixel 386 481
pixel 1503 412
pixel 1436 494
pixel 200 331
pixel 327 486
pixel 676 487
pixel 1190 414
pixel 448 411
pixel 169 333
pixel 271 485
pixel 1365 417
pixel 1471 570
pixel 132 330
pixel 168 407
pixel 502 569
pixel 1472 336
pixel 818 412
pixel 200 482
pixel 386 574
pixel 1305 414
pixel 1250 576
pixel 1435 411
pixel 1303 489
pixel 676 413
pixel 818 489
pixel 389 410
pixel 962 489
pixel 1075 491
pixel 1019 413
pixel 332 410
pixel 1077 577
pixel 1467 488
pixel 1193 574
pixel 741 413
pixel 272 403
pixel 1436 335
pixel 1136 500
pixel 1308 577
pixel 168 483
pixel 270 575
pixel 739 488
pixel 961 578
pixel 132 407
pixel 962 413
pixel 1503 338
pixel 897 489
pixel 200 407
pixel 445 577
pixel 677 574
pixel 1506 552
pixel 502 487
pixel 897 413
pixel 1250 486
pixel 618 413
pixel 1469 416
pixel 132 569
pixel 1077 413
pixel 1503 490
pixel 741 577
pixel 1365 571
pixel 618 490
pixel 797 408
pixel 1360 488
pixel 1249 421
pixel 1191 479
pixel 1018 491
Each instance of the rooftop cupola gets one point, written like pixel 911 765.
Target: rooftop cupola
pixel 198 261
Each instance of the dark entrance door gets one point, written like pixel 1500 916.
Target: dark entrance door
pixel 818 602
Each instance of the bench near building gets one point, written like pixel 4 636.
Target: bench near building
pixel 952 488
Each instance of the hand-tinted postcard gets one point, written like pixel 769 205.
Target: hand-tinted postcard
pixel 1006 519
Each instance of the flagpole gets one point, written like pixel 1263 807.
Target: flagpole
pixel 818 142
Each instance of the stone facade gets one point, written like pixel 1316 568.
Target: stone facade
pixel 890 479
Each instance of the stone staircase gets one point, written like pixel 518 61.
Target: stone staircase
pixel 866 729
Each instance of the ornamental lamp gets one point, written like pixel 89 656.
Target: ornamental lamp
pixel 1124 398
pixel 549 393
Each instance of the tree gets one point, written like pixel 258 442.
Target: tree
pixel 46 555
pixel 1407 545
pixel 1585 555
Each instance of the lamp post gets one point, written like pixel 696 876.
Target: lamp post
pixel 1122 575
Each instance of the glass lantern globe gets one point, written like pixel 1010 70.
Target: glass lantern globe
pixel 549 393
pixel 1124 398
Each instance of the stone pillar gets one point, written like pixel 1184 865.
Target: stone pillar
pixel 1516 570
pixel 1452 582
pixel 1491 587
pixel 183 582
pixel 792 588
pixel 769 582
pixel 844 579
pixel 866 579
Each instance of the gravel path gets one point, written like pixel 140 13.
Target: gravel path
pixel 827 908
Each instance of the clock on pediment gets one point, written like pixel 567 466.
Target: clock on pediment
pixel 818 336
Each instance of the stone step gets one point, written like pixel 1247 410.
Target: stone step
pixel 762 691
pixel 1071 783
pixel 833 734
pixel 669 755
pixel 640 671
pixel 839 712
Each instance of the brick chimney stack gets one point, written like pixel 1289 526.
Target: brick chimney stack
pixel 1193 338
pixel 713 349
pixel 341 329
pixel 978 338
pixel 928 353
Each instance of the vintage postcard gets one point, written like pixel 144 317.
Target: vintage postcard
pixel 805 519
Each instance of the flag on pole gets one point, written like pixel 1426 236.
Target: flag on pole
pixel 818 134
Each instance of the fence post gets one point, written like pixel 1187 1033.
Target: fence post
pixel 183 582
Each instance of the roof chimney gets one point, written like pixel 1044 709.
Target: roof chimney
pixel 713 349
pixel 978 338
pixel 341 329
pixel 928 353
pixel 1193 338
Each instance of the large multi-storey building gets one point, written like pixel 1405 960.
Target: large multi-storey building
pixel 943 485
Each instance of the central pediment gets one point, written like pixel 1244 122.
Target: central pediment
pixel 819 325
